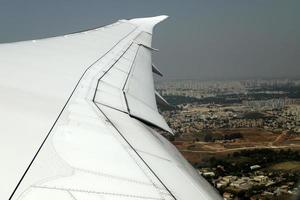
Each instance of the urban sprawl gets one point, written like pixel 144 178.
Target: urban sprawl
pixel 243 136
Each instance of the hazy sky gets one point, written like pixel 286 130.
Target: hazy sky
pixel 202 39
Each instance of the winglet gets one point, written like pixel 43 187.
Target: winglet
pixel 148 23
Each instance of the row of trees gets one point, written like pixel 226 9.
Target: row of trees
pixel 240 162
pixel 209 137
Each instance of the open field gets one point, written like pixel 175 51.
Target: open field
pixel 286 166
pixel 196 150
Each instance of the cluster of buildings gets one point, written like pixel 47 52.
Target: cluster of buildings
pixel 199 89
pixel 273 114
pixel 191 119
pixel 257 184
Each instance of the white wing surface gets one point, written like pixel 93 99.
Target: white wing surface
pixel 79 119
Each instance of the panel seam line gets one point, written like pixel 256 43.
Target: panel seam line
pixel 65 105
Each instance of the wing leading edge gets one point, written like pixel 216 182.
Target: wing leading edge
pixel 100 144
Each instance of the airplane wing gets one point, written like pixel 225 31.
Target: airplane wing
pixel 79 120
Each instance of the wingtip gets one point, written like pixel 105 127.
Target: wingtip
pixel 149 20
pixel 160 18
pixel 148 23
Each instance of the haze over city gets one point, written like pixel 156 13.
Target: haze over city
pixel 201 39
